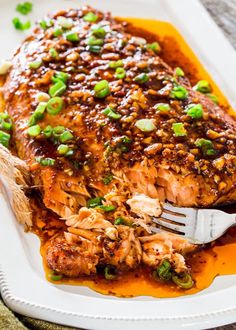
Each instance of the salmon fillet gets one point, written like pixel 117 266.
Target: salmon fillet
pixel 136 127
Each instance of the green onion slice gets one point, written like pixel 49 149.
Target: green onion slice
pixel 155 47
pixel 213 97
pixel 90 17
pixel 110 113
pixel 179 129
pixel 120 221
pixel 110 273
pixel 57 131
pixel 108 178
pixel 35 64
pixel 94 49
pixel 184 280
pixel 92 41
pixel 203 86
pixel 162 107
pixel 63 149
pixel 34 130
pixel 45 161
pixel 179 72
pixel 57 89
pixel 24 8
pixel 98 31
pixel 101 89
pixel 5 138
pixel 164 270
pixel 120 73
pixel 66 136
pixel 37 114
pixel 141 78
pixel 20 25
pixel 62 76
pixel 53 52
pixel 72 36
pixel 179 92
pixel 47 132
pixel 94 202
pixel 5 121
pixel 46 23
pixel 145 125
pixel 206 146
pixel 106 208
pixel 57 32
pixel 54 276
pixel 55 105
pixel 195 111
pixel 116 64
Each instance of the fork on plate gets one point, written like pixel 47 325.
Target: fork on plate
pixel 200 226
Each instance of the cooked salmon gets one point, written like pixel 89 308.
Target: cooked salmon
pixel 110 131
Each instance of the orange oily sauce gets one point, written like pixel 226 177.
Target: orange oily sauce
pixel 217 258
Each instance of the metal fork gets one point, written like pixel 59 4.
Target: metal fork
pixel 200 226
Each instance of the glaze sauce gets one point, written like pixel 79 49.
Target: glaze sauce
pixel 216 258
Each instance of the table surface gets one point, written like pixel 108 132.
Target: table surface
pixel 224 14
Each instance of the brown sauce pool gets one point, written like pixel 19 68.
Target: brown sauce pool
pixel 216 258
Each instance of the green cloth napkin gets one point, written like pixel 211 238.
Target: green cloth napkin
pixel 10 321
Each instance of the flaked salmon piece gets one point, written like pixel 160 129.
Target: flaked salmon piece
pixel 88 219
pixel 165 246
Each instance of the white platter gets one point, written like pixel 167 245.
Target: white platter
pixel 22 282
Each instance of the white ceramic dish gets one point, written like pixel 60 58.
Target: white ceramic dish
pixel 23 286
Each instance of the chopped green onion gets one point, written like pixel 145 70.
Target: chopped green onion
pixel 179 72
pixel 213 97
pixel 5 121
pixel 179 92
pixel 55 276
pixel 34 130
pixel 106 208
pixel 101 89
pixel 141 78
pixel 162 107
pixel 24 8
pixel 72 36
pixel 57 131
pixel 155 47
pixel 57 32
pixel 63 149
pixel 120 221
pixel 206 146
pixel 94 49
pixel 98 32
pixel 145 125
pixel 57 89
pixel 66 136
pixel 126 139
pixel 90 17
pixel 94 202
pixel 203 86
pixel 42 97
pixel 120 73
pixel 116 64
pixel 5 138
pixel 108 178
pixel 53 52
pixel 19 25
pixel 35 64
pixel 164 270
pixel 37 114
pixel 195 111
pixel 65 23
pixel 109 273
pixel 179 129
pixel 47 132
pixel 62 76
pixel 184 280
pixel 44 24
pixel 109 112
pixel 92 41
pixel 55 105
pixel 45 161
